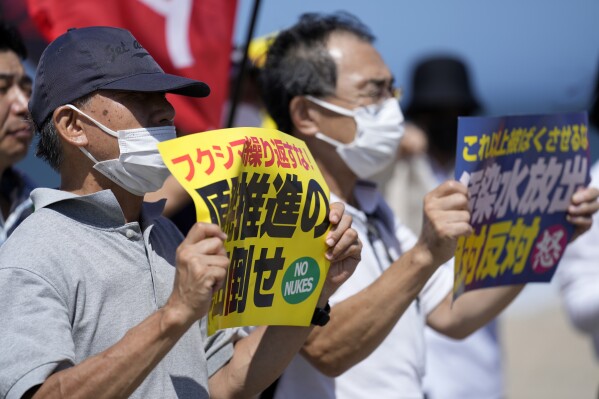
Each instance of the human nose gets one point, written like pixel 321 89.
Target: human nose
pixel 168 109
pixel 19 100
pixel 164 111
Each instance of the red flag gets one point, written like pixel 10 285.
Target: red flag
pixel 192 38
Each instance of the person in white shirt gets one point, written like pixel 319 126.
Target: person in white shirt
pixel 578 271
pixel 441 91
pixel 326 84
pixel 578 277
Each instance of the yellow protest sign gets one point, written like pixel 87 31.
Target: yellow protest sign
pixel 264 189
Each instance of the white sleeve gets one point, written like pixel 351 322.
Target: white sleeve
pixel 578 276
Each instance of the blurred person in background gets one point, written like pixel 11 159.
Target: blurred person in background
pixel 578 271
pixel 15 131
pixel 249 112
pixel 441 92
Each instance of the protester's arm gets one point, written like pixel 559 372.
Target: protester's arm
pixel 263 355
pixel 474 309
pixel 119 370
pixel 360 323
pixel 174 193
pixel 471 311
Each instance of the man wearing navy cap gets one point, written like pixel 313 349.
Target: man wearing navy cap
pixel 101 297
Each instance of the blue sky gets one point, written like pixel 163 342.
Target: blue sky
pixel 531 56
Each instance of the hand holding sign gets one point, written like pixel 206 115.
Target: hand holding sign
pixel 344 250
pixel 446 218
pixel 264 189
pixel 201 269
pixel 582 207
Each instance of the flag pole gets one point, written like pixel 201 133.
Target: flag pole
pixel 240 76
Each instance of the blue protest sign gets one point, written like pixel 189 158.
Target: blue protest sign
pixel 521 173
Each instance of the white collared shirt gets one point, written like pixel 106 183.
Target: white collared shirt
pixel 395 369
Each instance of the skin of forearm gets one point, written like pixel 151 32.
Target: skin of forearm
pixel 360 323
pixel 258 360
pixel 471 311
pixel 119 370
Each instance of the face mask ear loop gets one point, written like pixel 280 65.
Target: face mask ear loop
pixel 331 107
pixel 327 139
pixel 87 154
pixel 101 126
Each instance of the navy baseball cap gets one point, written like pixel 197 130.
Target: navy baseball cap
pixel 84 60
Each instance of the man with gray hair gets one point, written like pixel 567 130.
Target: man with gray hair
pixel 326 84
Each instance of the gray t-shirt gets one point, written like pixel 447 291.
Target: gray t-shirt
pixel 74 278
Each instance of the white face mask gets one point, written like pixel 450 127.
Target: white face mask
pixel 139 168
pixel 379 128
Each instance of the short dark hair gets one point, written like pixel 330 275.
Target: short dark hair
pixel 298 62
pixel 49 147
pixel 10 40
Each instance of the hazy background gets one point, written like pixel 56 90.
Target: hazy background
pixel 525 56
pixel 532 56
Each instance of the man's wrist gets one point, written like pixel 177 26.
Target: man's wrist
pixel 174 320
pixel 423 257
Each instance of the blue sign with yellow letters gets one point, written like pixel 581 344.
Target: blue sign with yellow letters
pixel 521 173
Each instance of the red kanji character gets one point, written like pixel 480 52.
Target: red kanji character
pixel 282 160
pixel 187 158
pixel 252 154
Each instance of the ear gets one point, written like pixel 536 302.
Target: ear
pixel 304 116
pixel 69 127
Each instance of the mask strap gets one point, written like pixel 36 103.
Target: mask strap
pixel 87 154
pixel 328 139
pixel 331 107
pixel 101 126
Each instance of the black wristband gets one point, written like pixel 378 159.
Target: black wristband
pixel 321 316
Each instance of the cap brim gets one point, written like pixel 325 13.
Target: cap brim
pixel 161 83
